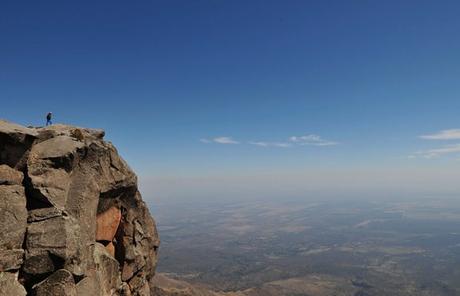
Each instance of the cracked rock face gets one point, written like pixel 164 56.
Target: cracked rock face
pixel 73 221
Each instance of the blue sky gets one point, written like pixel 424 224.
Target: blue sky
pixel 175 82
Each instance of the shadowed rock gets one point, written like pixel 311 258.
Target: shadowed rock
pixel 60 283
pixel 15 140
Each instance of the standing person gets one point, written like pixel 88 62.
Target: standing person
pixel 48 118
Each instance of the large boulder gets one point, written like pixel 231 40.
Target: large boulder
pixel 84 216
pixel 49 166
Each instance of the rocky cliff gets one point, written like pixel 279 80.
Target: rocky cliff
pixel 72 219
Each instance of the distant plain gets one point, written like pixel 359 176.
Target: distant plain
pixel 301 247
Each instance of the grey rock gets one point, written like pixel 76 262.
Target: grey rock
pixel 60 283
pixel 9 286
pixel 9 128
pixel 107 270
pixel 44 214
pixel 139 238
pixel 42 262
pixel 57 236
pixel 89 285
pixel 13 216
pixel 139 285
pixel 55 240
pixel 49 164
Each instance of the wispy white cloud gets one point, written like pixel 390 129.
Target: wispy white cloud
pixel 220 140
pixel 225 140
pixel 313 140
pixel 271 144
pixel 450 134
pixel 437 152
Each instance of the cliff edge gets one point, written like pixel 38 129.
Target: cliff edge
pixel 72 219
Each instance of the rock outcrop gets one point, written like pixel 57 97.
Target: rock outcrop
pixel 73 221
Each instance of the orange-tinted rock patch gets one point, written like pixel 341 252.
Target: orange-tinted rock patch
pixel 107 224
pixel 111 249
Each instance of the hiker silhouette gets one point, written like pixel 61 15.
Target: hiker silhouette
pixel 48 118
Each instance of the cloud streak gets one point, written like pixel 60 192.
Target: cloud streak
pixel 450 134
pixel 437 152
pixel 306 140
pixel 443 135
pixel 313 140
pixel 271 144
pixel 220 140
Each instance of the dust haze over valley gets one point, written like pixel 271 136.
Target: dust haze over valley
pixel 308 246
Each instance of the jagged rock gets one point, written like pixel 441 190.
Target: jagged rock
pixel 107 224
pixel 139 240
pixel 60 283
pixel 70 177
pixel 125 290
pixel 139 284
pixel 9 286
pixel 107 270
